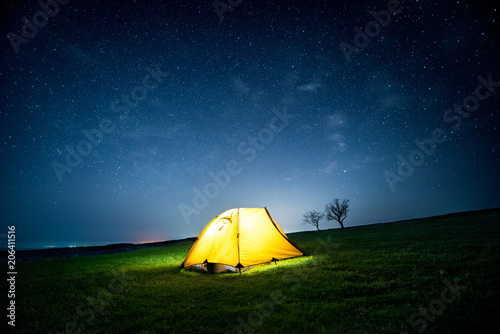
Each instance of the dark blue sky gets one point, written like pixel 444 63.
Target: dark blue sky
pixel 116 115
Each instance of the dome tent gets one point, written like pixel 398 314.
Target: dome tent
pixel 238 238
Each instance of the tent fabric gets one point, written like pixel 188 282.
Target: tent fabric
pixel 239 238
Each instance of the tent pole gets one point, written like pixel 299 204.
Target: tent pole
pixel 238 237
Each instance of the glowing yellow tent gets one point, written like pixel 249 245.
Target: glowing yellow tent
pixel 239 238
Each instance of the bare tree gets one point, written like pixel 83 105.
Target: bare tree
pixel 313 218
pixel 337 211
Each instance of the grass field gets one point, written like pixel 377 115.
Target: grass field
pixel 434 275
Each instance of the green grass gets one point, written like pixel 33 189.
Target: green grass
pixel 369 279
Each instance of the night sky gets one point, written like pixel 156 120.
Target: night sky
pixel 136 121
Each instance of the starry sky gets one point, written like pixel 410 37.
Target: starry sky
pixel 137 121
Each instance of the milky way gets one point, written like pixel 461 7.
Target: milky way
pixel 134 121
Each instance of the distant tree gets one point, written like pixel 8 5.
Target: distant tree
pixel 337 211
pixel 313 218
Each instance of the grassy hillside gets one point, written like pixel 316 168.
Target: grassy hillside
pixel 369 279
